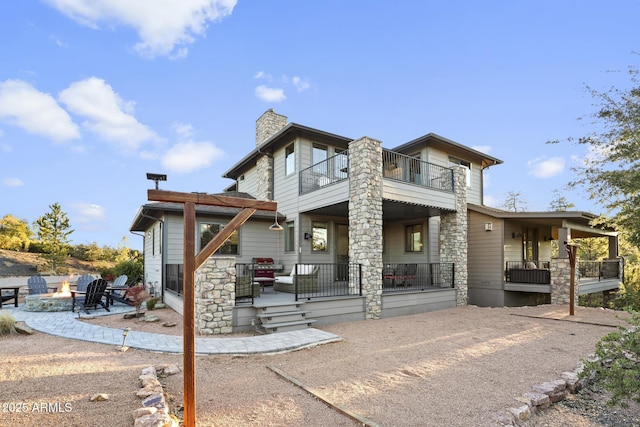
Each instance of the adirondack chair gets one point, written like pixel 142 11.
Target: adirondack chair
pixel 38 285
pixel 83 281
pixel 92 298
pixel 119 294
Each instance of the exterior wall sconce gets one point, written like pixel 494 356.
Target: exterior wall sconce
pixel 548 238
pixel 307 236
pixel 516 235
pixel 488 226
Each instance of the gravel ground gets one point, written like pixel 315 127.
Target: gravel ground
pixel 456 367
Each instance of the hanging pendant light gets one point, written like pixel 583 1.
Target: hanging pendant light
pixel 275 226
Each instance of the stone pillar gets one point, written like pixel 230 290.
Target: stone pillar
pixel 365 220
pixel 267 125
pixel 560 272
pixel 453 235
pixel 215 296
pixel 264 170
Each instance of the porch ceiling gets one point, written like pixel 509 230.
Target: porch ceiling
pixel 391 210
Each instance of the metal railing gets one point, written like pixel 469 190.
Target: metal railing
pixel 409 169
pixel 330 171
pixel 313 280
pixel 600 270
pixel 533 272
pixel 417 277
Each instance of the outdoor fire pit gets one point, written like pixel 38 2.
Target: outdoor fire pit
pixel 58 301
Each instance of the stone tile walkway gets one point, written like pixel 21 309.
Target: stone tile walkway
pixel 66 324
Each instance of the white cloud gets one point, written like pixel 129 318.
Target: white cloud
pixel 107 114
pixel 165 27
pixel 189 155
pixel 12 182
pixel 88 216
pixel 543 167
pixel 482 148
pixel 36 112
pixel 261 75
pixel 270 94
pixel 300 84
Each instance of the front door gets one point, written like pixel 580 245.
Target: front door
pixel 342 251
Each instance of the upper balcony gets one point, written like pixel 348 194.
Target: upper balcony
pixel 405 179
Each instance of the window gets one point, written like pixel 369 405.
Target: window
pixel 455 161
pixel 413 238
pixel 319 155
pixel 289 236
pixel 320 237
pixel 209 231
pixel 289 160
pixel 341 164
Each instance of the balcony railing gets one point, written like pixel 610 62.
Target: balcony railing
pixel 330 171
pixel 409 169
pixel 535 272
pixel 599 270
pixel 417 277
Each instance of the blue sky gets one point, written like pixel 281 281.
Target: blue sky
pixel 95 93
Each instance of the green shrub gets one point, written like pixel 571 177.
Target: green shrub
pixel 616 364
pixel 6 323
pixel 132 268
pixel 151 303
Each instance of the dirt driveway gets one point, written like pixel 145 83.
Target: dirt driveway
pixel 456 367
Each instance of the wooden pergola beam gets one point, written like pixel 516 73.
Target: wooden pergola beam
pixel 192 261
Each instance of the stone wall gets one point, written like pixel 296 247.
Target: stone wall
pixel 268 125
pixel 561 281
pixel 215 296
pixel 453 235
pixel 365 220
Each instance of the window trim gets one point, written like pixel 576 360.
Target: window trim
pixel 289 239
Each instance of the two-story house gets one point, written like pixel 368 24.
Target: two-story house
pixel 387 231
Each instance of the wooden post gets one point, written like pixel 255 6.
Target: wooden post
pixel 192 262
pixel 571 250
pixel 188 336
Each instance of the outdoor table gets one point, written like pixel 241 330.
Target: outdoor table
pixel 6 297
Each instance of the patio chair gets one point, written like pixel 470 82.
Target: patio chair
pixel 83 281
pixel 303 277
pixel 118 291
pixel 38 285
pixel 92 298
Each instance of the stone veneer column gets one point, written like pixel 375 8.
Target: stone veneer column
pixel 560 271
pixel 365 220
pixel 267 125
pixel 453 235
pixel 215 296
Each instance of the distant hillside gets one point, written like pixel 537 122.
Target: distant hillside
pixel 14 263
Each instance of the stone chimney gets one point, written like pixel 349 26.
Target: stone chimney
pixel 267 125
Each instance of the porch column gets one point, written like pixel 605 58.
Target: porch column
pixel 365 220
pixel 453 235
pixel 613 247
pixel 560 272
pixel 564 236
pixel 215 296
